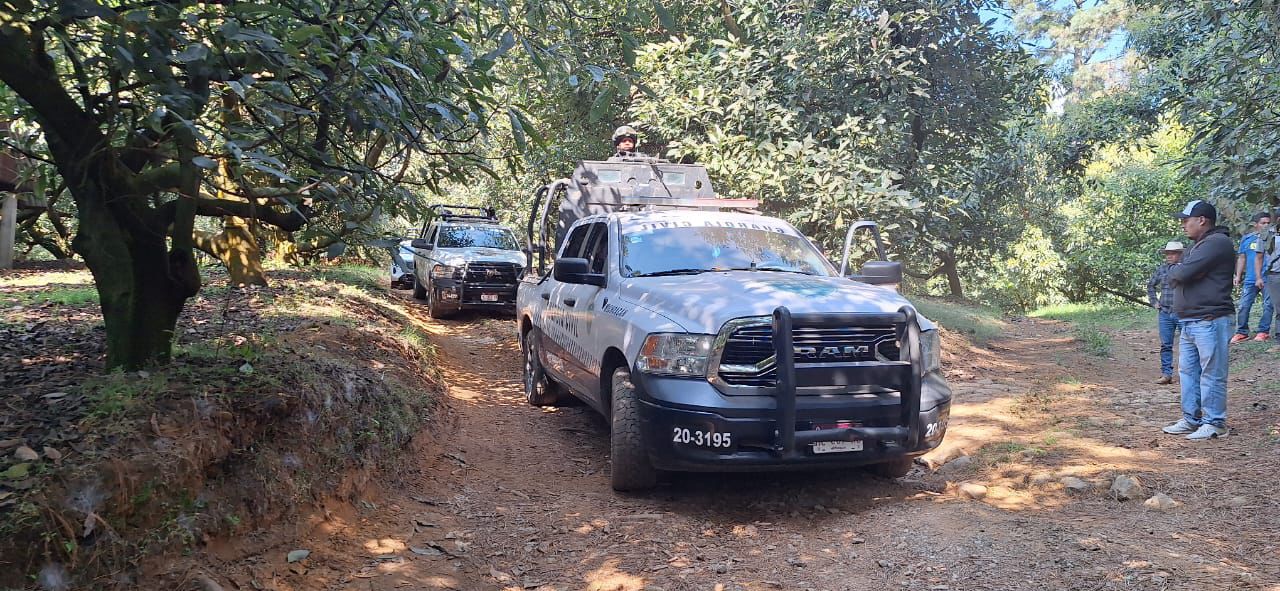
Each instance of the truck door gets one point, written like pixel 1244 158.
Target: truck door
pixel 422 257
pixel 558 336
pixel 575 306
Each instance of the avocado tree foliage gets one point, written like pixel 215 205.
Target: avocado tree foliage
pixel 157 113
pixel 1217 64
pixel 834 111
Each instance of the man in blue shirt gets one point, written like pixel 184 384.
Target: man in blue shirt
pixel 1266 264
pixel 1247 280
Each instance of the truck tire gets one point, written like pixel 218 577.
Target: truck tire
pixel 893 468
pixel 539 388
pixel 629 458
pixel 419 292
pixel 434 309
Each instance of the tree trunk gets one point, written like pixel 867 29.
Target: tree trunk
pixel 238 250
pixel 139 297
pixel 285 249
pixel 953 273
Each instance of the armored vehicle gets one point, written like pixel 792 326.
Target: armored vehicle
pixel 714 338
pixel 464 259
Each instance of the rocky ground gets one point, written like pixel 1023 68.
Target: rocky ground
pixel 1054 475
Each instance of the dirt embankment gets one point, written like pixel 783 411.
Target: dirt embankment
pixel 279 401
pixel 1020 497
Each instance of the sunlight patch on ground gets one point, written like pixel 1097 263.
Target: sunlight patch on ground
pixel 609 578
pixel 461 393
pixel 43 279
pixel 385 546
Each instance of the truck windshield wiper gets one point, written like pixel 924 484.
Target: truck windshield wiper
pixel 775 269
pixel 674 272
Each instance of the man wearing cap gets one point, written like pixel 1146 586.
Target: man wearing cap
pixel 1250 284
pixel 1202 303
pixel 1266 262
pixel 1160 296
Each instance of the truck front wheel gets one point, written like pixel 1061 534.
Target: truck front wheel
pixel 629 456
pixel 539 389
pixel 434 308
pixel 419 292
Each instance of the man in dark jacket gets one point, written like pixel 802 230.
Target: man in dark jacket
pixel 1202 302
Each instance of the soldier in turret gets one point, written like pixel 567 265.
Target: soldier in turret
pixel 625 140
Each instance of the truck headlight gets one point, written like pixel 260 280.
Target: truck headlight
pixel 675 354
pixel 931 350
pixel 446 272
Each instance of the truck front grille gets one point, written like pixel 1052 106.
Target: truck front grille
pixel 482 281
pixel 747 359
pixel 492 273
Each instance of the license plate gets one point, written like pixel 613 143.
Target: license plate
pixel 488 297
pixel 831 447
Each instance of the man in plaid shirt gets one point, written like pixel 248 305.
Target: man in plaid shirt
pixel 1163 304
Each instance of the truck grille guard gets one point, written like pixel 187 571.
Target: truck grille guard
pixel 903 374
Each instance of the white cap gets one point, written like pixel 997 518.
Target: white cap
pixel 1174 246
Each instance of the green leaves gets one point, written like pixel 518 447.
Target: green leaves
pixel 603 102
pixel 664 17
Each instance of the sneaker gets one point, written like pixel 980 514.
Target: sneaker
pixel 1207 431
pixel 1238 338
pixel 1262 336
pixel 1165 380
pixel 1182 427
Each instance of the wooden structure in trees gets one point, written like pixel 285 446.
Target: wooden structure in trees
pixel 9 211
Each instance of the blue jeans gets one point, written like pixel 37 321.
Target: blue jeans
pixel 1272 281
pixel 1248 292
pixel 1168 330
pixel 1202 359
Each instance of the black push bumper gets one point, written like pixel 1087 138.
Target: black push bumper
pixel 453 294
pixel 902 413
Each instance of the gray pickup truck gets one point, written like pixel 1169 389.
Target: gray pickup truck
pixel 465 260
pixel 714 338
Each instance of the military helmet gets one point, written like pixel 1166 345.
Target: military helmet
pixel 624 132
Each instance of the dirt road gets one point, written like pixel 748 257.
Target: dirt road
pixel 517 497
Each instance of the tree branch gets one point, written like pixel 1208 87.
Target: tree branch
pixel 158 179
pixel 1124 296
pixel 291 221
pixel 32 76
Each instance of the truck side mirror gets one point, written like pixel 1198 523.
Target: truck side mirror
pixel 422 243
pixel 578 271
pixel 880 273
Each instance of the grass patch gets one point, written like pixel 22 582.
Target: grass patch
pixel 1009 451
pixel 1096 342
pixel 111 397
pixel 250 349
pixel 1112 316
pixel 414 338
pixel 980 323
pixel 359 276
pixel 63 295
pixel 1249 354
pixel 1094 322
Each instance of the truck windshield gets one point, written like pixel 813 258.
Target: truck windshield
pixel 468 236
pixel 697 249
